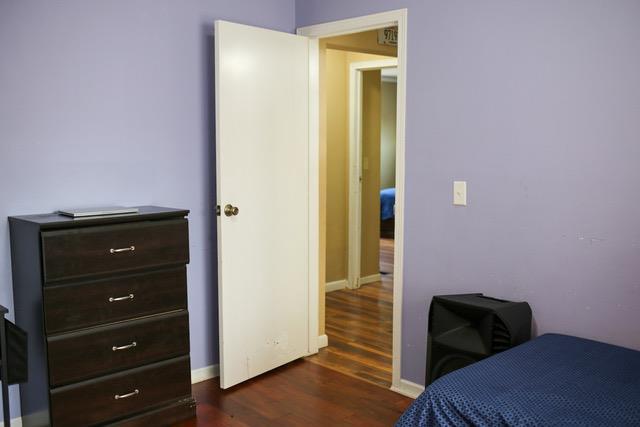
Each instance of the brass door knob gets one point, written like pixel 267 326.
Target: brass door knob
pixel 231 210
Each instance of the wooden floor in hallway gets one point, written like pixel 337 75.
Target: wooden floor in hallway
pixel 359 325
pixel 297 394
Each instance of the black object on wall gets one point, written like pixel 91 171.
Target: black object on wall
pixel 466 328
pixel 13 359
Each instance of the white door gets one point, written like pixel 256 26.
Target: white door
pixel 262 159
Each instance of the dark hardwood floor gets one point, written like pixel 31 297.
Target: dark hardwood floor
pixel 360 329
pixel 345 384
pixel 298 394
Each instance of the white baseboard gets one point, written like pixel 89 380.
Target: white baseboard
pixel 336 286
pixel 370 279
pixel 206 373
pixel 323 341
pixel 408 388
pixel 15 422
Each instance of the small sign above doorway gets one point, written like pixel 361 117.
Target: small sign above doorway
pixel 388 36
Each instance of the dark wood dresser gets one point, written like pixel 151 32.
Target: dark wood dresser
pixel 104 301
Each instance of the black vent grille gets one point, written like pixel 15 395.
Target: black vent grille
pixel 500 337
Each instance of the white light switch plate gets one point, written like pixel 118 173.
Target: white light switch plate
pixel 460 193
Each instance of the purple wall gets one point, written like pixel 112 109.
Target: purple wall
pixel 111 102
pixel 537 105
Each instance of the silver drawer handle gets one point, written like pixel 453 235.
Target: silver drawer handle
pixel 117 251
pixel 124 347
pixel 112 299
pixel 124 396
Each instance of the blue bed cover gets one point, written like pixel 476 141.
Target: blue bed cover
pixel 387 202
pixel 553 380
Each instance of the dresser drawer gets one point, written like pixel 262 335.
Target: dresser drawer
pixel 82 252
pixel 166 415
pixel 119 395
pixel 77 306
pixel 97 351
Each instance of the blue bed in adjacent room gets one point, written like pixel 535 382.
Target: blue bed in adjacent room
pixel 387 203
pixel 553 380
pixel 387 212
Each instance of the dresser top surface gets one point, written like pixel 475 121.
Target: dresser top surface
pixel 56 220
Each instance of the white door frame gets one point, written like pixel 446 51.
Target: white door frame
pixel 314 195
pixel 355 164
pixel 348 26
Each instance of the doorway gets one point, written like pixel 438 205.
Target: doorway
pixel 336 28
pixel 372 167
pixel 358 103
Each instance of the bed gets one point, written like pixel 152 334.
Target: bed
pixel 387 203
pixel 387 212
pixel 553 380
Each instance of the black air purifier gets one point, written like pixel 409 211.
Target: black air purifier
pixel 466 328
pixel 18 371
pixel 13 360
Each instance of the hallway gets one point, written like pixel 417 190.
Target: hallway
pixel 359 327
